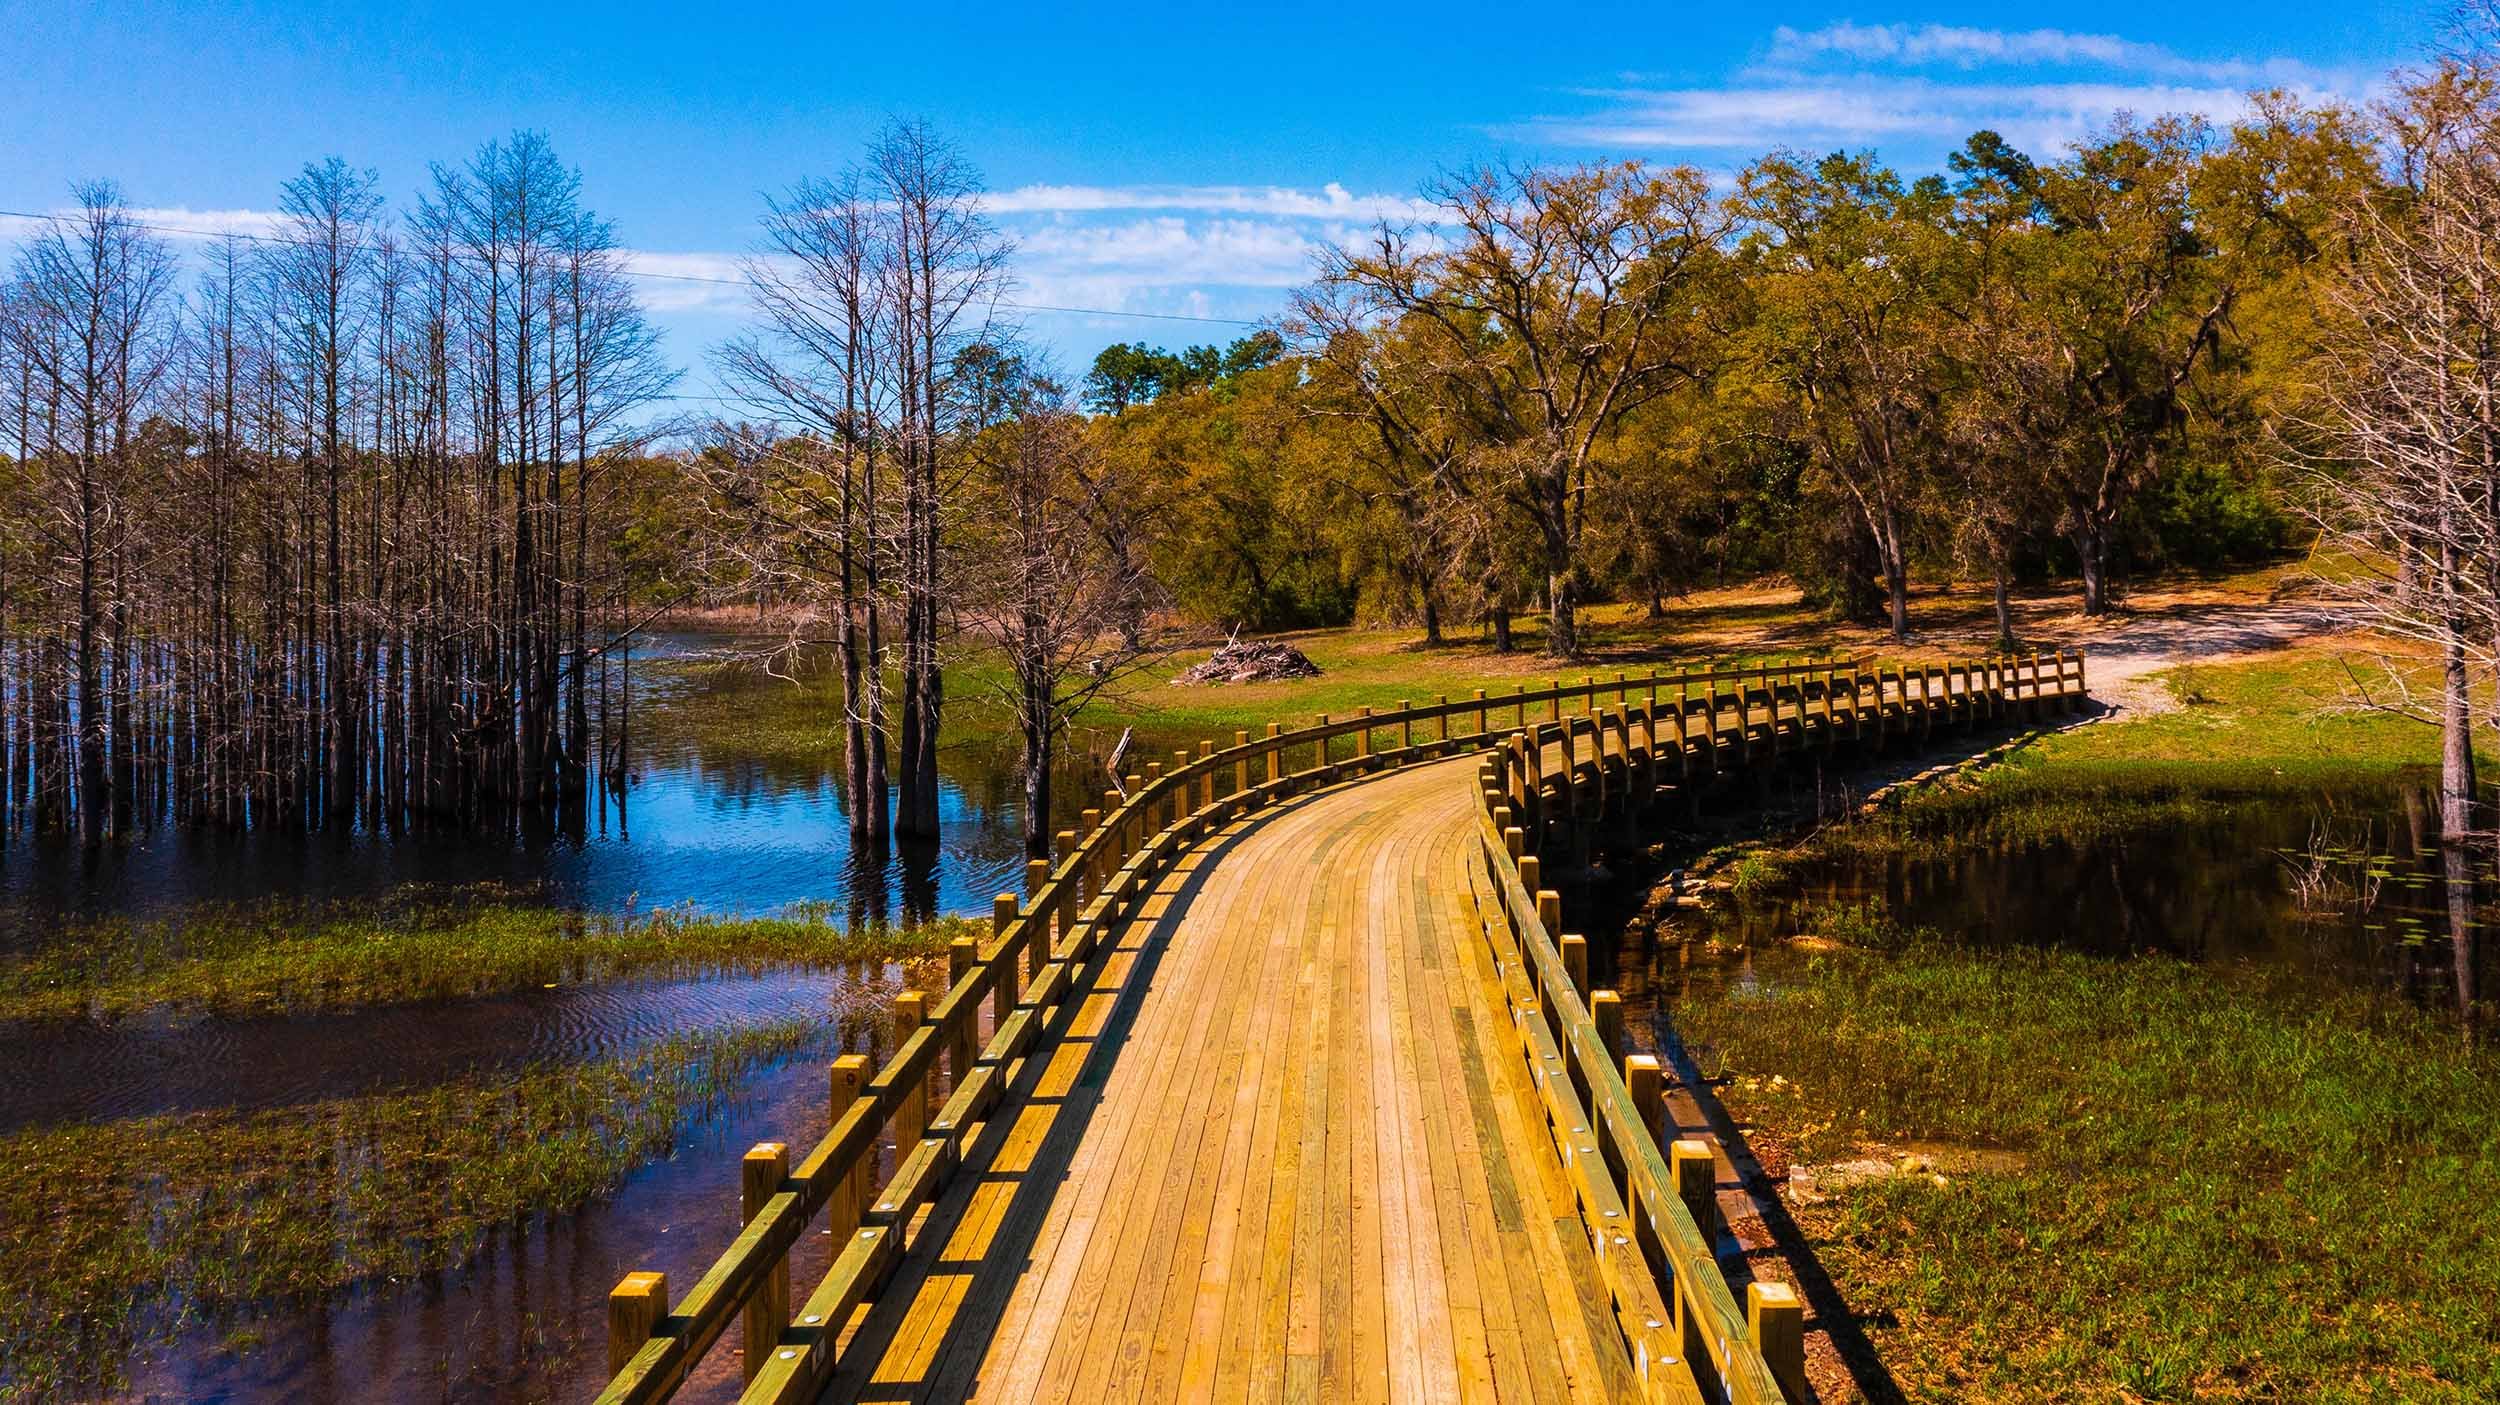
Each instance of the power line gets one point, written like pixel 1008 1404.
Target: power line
pixel 638 272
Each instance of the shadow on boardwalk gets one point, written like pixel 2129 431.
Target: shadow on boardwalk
pixel 971 1329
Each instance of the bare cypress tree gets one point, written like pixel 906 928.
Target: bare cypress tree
pixel 2411 477
pixel 803 517
pixel 947 269
pixel 319 308
pixel 96 294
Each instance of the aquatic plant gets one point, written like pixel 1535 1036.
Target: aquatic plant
pixel 243 959
pixel 116 1235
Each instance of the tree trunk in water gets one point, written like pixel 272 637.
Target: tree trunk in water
pixel 1037 758
pixel 2456 816
pixel 2456 743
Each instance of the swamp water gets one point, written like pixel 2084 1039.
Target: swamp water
pixel 706 825
pixel 2335 887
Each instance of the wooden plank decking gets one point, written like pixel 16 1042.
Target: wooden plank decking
pixel 1283 1149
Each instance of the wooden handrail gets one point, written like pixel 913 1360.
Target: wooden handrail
pixel 1030 964
pixel 1598 1122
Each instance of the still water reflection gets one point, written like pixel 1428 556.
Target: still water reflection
pixel 706 821
pixel 2338 886
pixel 712 820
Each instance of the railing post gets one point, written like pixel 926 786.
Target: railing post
pixel 1481 728
pixel 1406 737
pixel 1697 1185
pixel 1606 1012
pixel 911 1109
pixel 1776 1321
pixel 1441 714
pixel 1575 959
pixel 1241 762
pixel 635 1307
pixel 962 954
pixel 1531 869
pixel 1319 745
pixel 844 1078
pixel 760 1176
pixel 1553 703
pixel 1642 1080
pixel 1275 754
pixel 1363 748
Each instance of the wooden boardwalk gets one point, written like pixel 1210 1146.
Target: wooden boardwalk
pixel 1284 1148
pixel 1283 1080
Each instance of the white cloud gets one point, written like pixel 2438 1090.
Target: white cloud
pixel 1914 87
pixel 183 222
pixel 1163 263
pixel 1331 201
pixel 2041 116
pixel 177 224
pixel 1966 47
pixel 686 281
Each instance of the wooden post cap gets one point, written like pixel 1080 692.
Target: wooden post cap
pixel 1641 1077
pixel 910 1012
pixel 1696 1184
pixel 635 1307
pixel 1003 911
pixel 1776 1319
pixel 1606 1012
pixel 1514 838
pixel 1548 907
pixel 1575 956
pixel 760 1175
pixel 844 1078
pixel 1530 872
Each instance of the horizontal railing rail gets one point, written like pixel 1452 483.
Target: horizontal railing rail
pixel 1604 1104
pixel 1021 976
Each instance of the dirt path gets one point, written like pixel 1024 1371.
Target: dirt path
pixel 2124 655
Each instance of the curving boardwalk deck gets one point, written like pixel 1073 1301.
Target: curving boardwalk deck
pixel 1283 1080
pixel 1285 1156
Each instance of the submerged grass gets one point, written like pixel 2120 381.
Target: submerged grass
pixel 269 957
pixel 112 1236
pixel 2227 1189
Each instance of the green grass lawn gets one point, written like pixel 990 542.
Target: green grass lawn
pixel 2301 711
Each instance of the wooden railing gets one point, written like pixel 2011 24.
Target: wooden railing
pixel 1021 978
pixel 1653 1215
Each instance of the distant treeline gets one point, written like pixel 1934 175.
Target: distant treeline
pixel 351 527
pixel 333 534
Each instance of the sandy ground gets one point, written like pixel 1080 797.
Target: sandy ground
pixel 2123 657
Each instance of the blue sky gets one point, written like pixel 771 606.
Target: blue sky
pixel 1178 160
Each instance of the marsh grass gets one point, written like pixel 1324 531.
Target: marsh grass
pixel 116 1234
pixel 2229 1187
pixel 260 958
